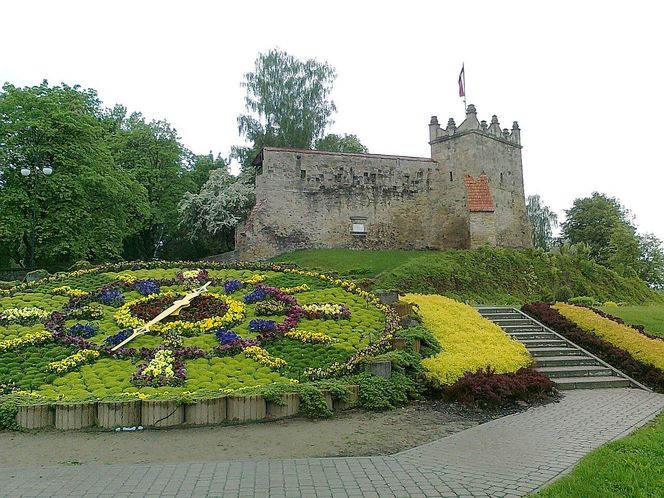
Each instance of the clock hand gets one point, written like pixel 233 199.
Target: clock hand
pixel 176 306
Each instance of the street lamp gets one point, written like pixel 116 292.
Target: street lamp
pixel 27 170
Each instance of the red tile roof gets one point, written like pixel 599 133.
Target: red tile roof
pixel 479 194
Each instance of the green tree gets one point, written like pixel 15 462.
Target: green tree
pixel 624 252
pixel 88 206
pixel 542 222
pixel 652 260
pixel 152 153
pixel 288 105
pixel 593 220
pixel 338 143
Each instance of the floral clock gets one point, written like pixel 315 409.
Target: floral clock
pixel 256 325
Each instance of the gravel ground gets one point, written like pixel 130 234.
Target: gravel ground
pixel 353 433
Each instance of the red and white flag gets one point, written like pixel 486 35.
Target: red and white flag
pixel 462 82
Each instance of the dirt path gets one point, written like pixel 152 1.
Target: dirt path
pixel 354 433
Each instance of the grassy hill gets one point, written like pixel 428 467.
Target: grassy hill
pixel 481 276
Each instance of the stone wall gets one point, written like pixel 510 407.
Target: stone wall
pixel 315 199
pixel 482 229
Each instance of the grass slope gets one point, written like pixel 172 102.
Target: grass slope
pixel 650 316
pixel 481 276
pixel 630 467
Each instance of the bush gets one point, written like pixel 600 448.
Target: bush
pixel 428 342
pixel 80 265
pixel 646 374
pixel 487 389
pixel 469 341
pixel 611 304
pixel 582 300
pixel 564 293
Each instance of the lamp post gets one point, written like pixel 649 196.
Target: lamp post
pixel 40 166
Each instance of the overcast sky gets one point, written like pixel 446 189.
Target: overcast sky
pixel 584 79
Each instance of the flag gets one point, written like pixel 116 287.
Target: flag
pixel 462 82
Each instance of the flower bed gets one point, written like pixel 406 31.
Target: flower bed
pixel 621 359
pixel 642 348
pixel 217 343
pixel 469 341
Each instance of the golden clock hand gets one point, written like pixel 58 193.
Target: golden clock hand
pixel 176 306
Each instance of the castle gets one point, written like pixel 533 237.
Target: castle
pixel 468 194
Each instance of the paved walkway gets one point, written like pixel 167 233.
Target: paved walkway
pixel 511 456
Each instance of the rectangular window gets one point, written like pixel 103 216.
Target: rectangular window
pixel 359 228
pixel 358 225
pixel 303 174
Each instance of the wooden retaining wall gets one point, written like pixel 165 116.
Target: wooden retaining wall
pixel 168 413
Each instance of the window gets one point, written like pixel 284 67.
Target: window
pixel 501 178
pixel 451 177
pixel 420 175
pixel 358 225
pixel 303 174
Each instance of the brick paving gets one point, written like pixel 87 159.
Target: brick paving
pixel 508 457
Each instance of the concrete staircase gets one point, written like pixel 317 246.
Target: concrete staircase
pixel 567 364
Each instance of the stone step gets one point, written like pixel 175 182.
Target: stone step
pixel 561 361
pixel 592 382
pixel 521 328
pixel 525 336
pixel 576 371
pixel 549 342
pixel 555 351
pixel 523 322
pixel 494 309
pixel 502 316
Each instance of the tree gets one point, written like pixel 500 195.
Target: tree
pixel 607 228
pixel 152 153
pixel 221 204
pixel 542 222
pixel 593 220
pixel 88 206
pixel 338 143
pixel 288 104
pixel 652 260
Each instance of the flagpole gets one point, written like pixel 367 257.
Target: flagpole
pixel 465 107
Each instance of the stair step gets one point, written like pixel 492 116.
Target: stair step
pixel 502 316
pixel 490 310
pixel 555 351
pixel 593 382
pixel 559 361
pixel 524 322
pixel 551 342
pixel 529 336
pixel 576 371
pixel 521 328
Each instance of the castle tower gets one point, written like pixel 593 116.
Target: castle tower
pixel 482 182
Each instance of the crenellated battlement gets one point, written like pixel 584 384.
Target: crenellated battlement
pixel 472 125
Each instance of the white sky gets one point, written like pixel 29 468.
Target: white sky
pixel 584 79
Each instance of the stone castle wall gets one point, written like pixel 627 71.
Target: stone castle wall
pixel 312 199
pixel 315 199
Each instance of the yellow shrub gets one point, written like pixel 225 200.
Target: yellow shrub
pixel 469 341
pixel 641 347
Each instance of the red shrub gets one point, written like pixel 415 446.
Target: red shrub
pixel 487 389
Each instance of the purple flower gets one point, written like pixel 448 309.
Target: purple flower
pixel 85 331
pixel 258 325
pixel 115 339
pixel 111 296
pixel 231 286
pixel 146 287
pixel 256 295
pixel 227 336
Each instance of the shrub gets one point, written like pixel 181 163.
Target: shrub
pixel 469 342
pixel 428 342
pixel 611 304
pixel 618 358
pixel 487 389
pixel 582 300
pixel 564 293
pixel 639 346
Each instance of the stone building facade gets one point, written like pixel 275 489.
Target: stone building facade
pixel 468 194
